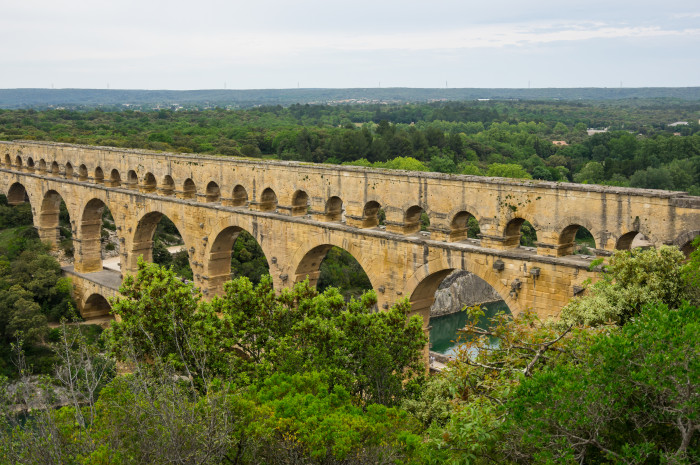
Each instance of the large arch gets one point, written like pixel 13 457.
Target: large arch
pixel 630 240
pixel 306 259
pixel 89 257
pixel 513 232
pixel 96 306
pixel 684 241
pixel 143 241
pixel 220 253
pixel 49 218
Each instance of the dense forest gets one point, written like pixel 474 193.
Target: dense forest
pixel 636 143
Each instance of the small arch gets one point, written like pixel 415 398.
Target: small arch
pixel 149 183
pixel 167 187
pixel 17 194
pixel 30 164
pixel 300 203
pixel 213 193
pixel 520 232
pixel 572 236
pixel 464 226
pixel 99 175
pixel 370 214
pixel 632 240
pixel 8 160
pixel 68 170
pixel 415 219
pixel 189 189
pixel 239 197
pixel 334 209
pixel 268 200
pixel 115 179
pixel 55 169
pixel 18 162
pixel 132 180
pixel 82 173
pixel 96 306
pixel 41 166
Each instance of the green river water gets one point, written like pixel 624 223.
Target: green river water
pixel 443 331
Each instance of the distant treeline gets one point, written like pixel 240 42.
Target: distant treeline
pixel 640 148
pixel 148 99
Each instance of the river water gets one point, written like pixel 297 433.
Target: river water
pixel 443 331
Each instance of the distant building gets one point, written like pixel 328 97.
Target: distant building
pixel 678 123
pixel 592 131
pixel 559 142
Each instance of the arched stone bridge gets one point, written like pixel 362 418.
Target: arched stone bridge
pixel 298 211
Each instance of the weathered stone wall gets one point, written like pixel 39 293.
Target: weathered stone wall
pixel 461 289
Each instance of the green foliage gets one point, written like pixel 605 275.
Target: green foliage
pixel 631 280
pixel 633 398
pixel 508 170
pixel 376 356
pixel 248 259
pixel 340 269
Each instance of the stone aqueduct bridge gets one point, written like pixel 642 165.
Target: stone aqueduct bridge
pixel 298 211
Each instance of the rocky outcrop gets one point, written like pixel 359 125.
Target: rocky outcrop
pixel 461 289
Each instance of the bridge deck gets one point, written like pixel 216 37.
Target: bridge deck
pixel 108 278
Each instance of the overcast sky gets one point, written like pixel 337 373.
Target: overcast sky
pixel 208 44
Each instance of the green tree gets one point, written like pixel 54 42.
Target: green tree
pixel 632 279
pixel 508 170
pixel 592 173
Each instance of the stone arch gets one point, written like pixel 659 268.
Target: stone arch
pixel 213 193
pixel 306 260
pixel 82 173
pixel 219 254
pixel 30 164
pixel 370 214
pixel 89 257
pixel 55 168
pixel 115 178
pixel 41 166
pixel 684 241
pixel 189 189
pixel 334 209
pixel 18 162
pixel 268 200
pixel 96 306
pixel 149 183
pixel 68 170
pixel 239 197
pixel 16 194
pixel 300 203
pixel 167 187
pixel 512 232
pixel 99 175
pixel 8 160
pixel 132 179
pixel 49 217
pixel 567 239
pixel 627 240
pixel 144 231
pixel 459 226
pixel 412 219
